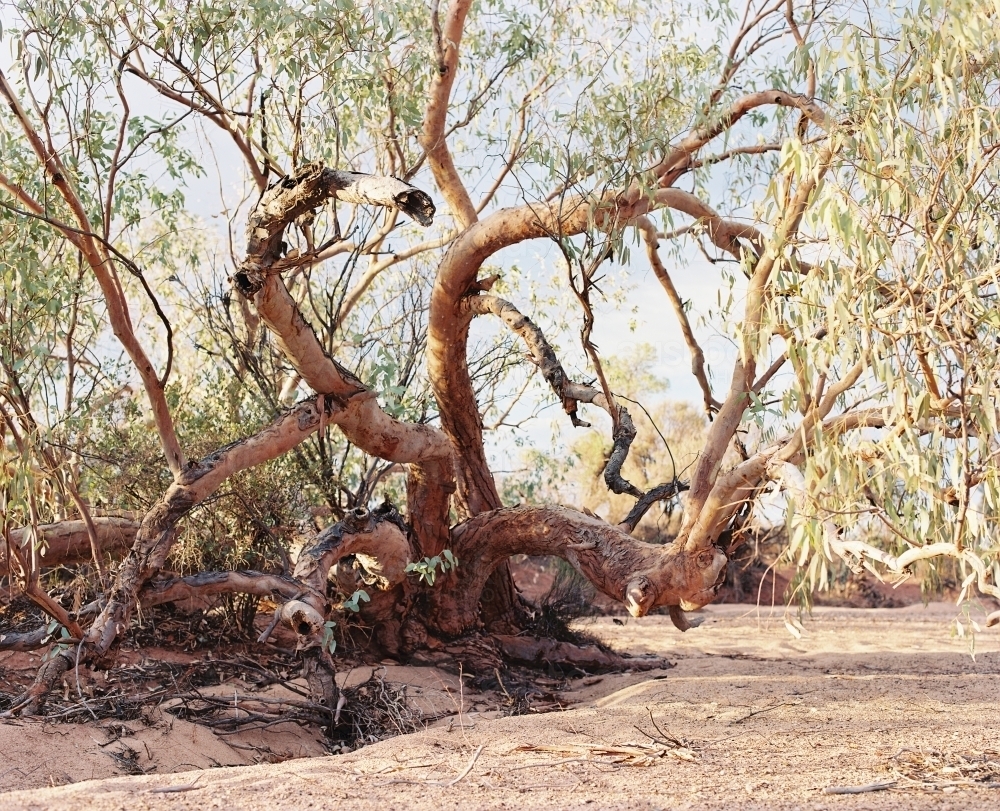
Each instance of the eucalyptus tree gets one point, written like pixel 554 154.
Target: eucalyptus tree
pixel 840 157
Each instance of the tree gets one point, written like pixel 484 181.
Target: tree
pixel 854 173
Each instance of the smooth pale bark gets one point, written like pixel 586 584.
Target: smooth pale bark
pixel 432 138
pixel 68 542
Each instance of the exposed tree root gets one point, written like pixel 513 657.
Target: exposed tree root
pixel 532 652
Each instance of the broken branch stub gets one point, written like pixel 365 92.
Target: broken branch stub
pixel 379 538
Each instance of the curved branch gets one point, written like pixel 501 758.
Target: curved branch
pixel 649 235
pixel 429 451
pixel 378 539
pixel 448 329
pixel 725 234
pixel 679 159
pixel 641 575
pixel 543 356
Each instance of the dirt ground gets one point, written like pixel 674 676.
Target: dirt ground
pixel 754 714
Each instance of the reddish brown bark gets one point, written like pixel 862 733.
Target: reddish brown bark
pixel 641 575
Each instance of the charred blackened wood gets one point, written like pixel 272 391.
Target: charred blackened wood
pixel 659 493
pixel 540 353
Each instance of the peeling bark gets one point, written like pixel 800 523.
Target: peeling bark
pixel 428 452
pixel 544 357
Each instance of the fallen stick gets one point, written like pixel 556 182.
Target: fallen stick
pixel 177 789
pixel 468 768
pixel 859 789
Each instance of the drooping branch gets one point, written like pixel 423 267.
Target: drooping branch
pixel 641 575
pixel 851 550
pixel 544 357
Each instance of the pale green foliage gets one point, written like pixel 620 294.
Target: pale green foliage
pixel 904 232
pixel 426 568
pixel 353 603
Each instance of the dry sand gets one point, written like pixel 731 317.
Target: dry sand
pixel 757 719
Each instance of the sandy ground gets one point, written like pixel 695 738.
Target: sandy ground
pixel 753 715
